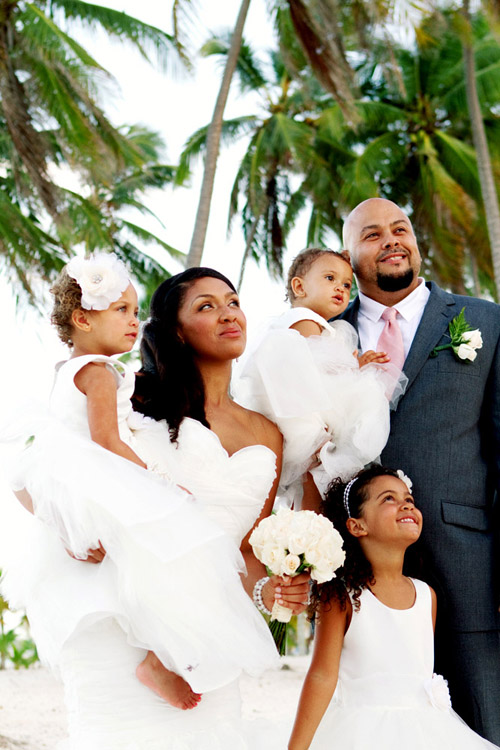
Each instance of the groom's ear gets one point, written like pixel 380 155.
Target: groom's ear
pixel 297 286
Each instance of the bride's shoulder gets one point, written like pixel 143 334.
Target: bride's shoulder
pixel 264 431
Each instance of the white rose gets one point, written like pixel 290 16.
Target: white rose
pixel 465 351
pixel 321 575
pixel 273 556
pixel 290 564
pixel 473 338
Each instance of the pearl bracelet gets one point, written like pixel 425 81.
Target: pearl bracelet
pixel 257 595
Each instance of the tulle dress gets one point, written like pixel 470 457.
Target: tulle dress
pixel 387 696
pixel 169 583
pixel 323 403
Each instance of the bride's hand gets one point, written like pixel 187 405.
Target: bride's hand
pixel 291 592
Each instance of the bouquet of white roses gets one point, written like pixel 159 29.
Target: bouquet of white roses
pixel 291 542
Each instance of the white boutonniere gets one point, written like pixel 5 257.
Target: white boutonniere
pixel 464 340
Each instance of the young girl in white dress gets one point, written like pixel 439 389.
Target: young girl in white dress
pixel 330 405
pixel 170 577
pixel 371 683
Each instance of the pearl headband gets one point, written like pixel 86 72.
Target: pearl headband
pixel 399 472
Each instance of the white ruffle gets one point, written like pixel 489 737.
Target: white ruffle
pixel 313 389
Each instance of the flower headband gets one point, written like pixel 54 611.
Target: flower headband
pixel 102 277
pixel 399 472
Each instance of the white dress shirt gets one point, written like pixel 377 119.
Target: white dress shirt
pixel 410 311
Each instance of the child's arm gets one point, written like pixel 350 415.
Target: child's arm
pixel 307 328
pixel 99 385
pixel 322 676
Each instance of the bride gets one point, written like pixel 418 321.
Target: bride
pixel 230 458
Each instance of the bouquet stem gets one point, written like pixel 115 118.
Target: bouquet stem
pixel 280 616
pixel 278 631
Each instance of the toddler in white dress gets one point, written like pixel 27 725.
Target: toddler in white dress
pixel 305 375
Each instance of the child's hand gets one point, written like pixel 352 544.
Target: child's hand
pixel 371 357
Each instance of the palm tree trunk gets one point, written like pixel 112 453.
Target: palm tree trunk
pixel 213 142
pixel 486 179
pixel 248 249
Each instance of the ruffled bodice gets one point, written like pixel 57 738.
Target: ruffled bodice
pixel 232 489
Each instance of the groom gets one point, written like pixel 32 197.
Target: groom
pixel 445 435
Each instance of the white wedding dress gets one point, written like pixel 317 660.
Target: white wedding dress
pixel 94 624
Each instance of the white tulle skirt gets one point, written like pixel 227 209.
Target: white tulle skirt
pixel 171 577
pixel 383 713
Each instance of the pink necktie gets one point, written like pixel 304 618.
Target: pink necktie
pixel 391 340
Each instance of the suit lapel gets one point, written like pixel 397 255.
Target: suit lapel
pixel 439 310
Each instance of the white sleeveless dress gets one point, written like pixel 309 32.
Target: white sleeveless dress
pixel 314 390
pixel 387 697
pixel 180 596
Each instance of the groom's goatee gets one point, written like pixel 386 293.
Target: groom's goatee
pixel 395 283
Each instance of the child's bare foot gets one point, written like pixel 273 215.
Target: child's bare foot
pixel 168 685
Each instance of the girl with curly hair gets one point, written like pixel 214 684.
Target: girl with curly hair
pixel 371 682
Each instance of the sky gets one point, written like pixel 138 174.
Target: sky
pixel 175 104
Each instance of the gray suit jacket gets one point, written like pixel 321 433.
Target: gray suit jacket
pixel 445 434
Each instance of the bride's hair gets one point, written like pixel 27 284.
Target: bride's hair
pixel 169 386
pixel 356 573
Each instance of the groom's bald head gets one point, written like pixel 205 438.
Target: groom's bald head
pixel 383 248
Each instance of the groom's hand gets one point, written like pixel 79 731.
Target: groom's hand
pixel 291 592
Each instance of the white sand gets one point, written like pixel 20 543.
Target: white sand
pixel 32 714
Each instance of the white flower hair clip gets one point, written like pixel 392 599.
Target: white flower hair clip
pixel 102 277
pixel 405 479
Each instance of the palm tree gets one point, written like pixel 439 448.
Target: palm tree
pixel 213 141
pixel 480 141
pixel 49 118
pixel 413 145
pixel 280 150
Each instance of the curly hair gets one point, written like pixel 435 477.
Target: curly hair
pixel 169 385
pixel 67 298
pixel 303 262
pixel 356 573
